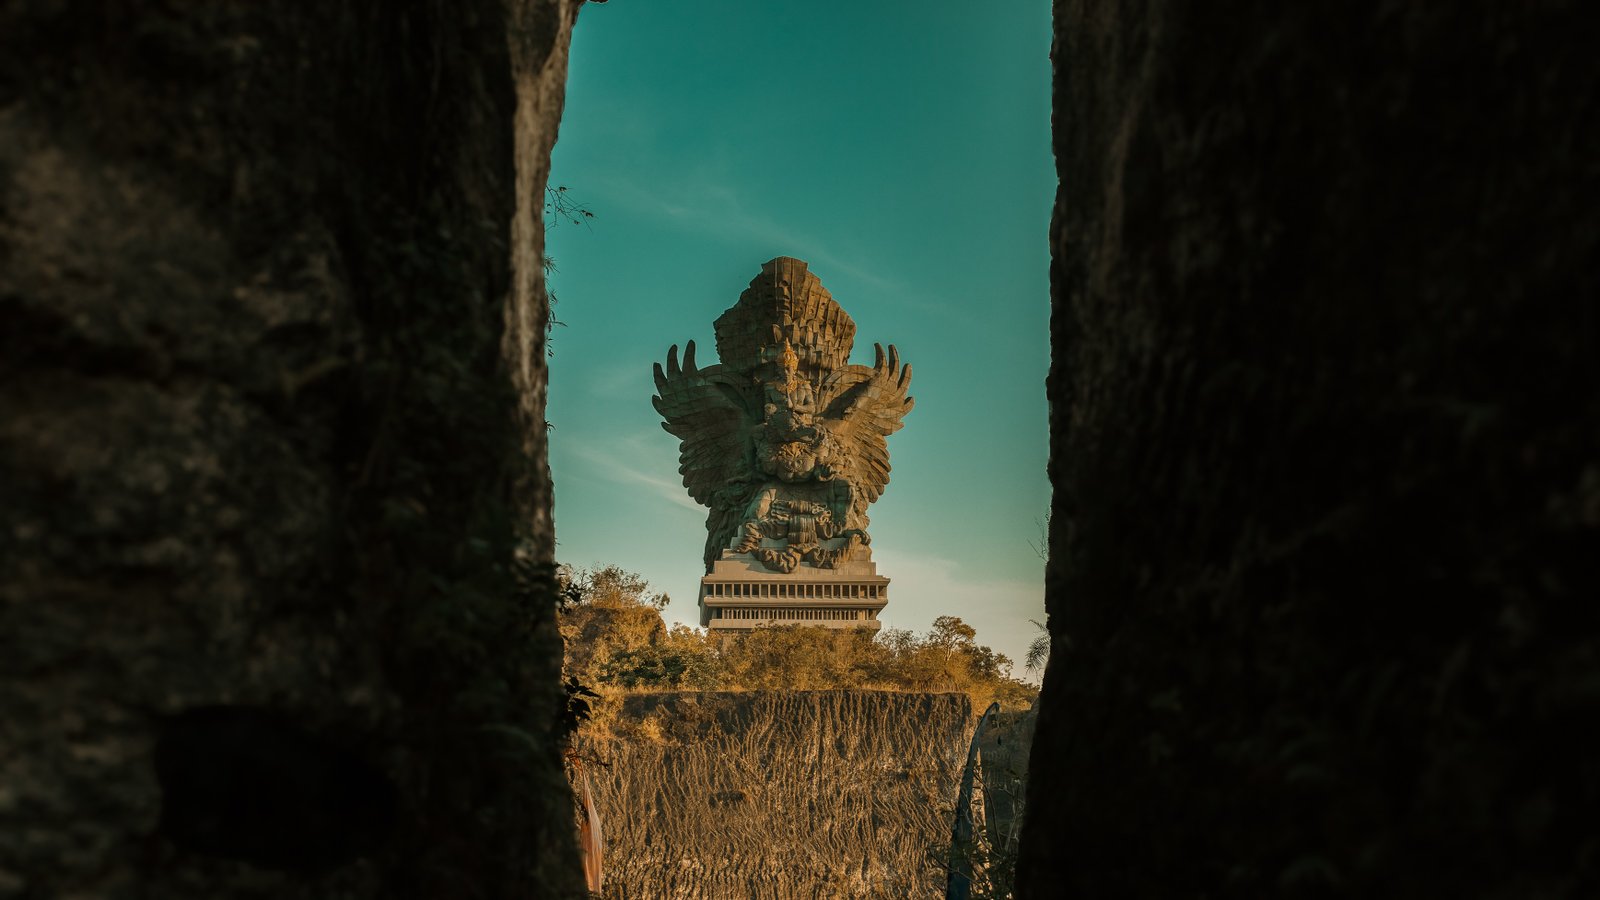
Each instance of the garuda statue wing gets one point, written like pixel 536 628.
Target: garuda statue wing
pixel 710 412
pixel 864 405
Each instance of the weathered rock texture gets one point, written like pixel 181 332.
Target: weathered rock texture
pixel 271 324
pixel 780 795
pixel 1325 407
pixel 1003 750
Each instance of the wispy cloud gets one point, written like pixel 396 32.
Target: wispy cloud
pixel 709 207
pixel 620 466
pixel 619 381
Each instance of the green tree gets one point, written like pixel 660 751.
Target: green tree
pixel 684 661
pixel 612 587
pixel 606 611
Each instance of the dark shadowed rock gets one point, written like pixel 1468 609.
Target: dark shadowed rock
pixel 271 399
pixel 1324 405
pixel 250 785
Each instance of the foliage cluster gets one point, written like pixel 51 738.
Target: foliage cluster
pixel 615 639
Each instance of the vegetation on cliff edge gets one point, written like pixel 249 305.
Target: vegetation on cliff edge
pixel 615 639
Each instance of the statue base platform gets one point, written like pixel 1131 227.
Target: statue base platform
pixel 740 594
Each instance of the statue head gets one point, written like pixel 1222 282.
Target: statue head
pixel 796 454
pixel 785 321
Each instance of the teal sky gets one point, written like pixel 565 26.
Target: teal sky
pixel 899 148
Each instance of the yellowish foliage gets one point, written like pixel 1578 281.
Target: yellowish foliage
pixel 616 642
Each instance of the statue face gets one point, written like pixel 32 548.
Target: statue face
pixel 794 460
pixel 791 456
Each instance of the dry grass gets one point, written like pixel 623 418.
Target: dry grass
pixel 824 794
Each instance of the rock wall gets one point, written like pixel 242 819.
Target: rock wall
pixel 779 795
pixel 1324 395
pixel 1003 751
pixel 271 415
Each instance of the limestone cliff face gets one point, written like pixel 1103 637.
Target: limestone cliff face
pixel 780 795
pixel 271 364
pixel 1323 407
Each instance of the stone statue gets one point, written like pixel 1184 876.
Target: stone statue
pixel 784 441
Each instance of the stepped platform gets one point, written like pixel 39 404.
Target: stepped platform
pixel 740 595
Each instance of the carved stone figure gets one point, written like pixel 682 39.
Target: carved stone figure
pixel 784 440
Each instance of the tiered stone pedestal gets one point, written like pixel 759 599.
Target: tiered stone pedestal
pixel 740 595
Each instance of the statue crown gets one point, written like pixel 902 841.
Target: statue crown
pixel 785 303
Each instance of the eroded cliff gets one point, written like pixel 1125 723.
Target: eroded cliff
pixel 774 795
